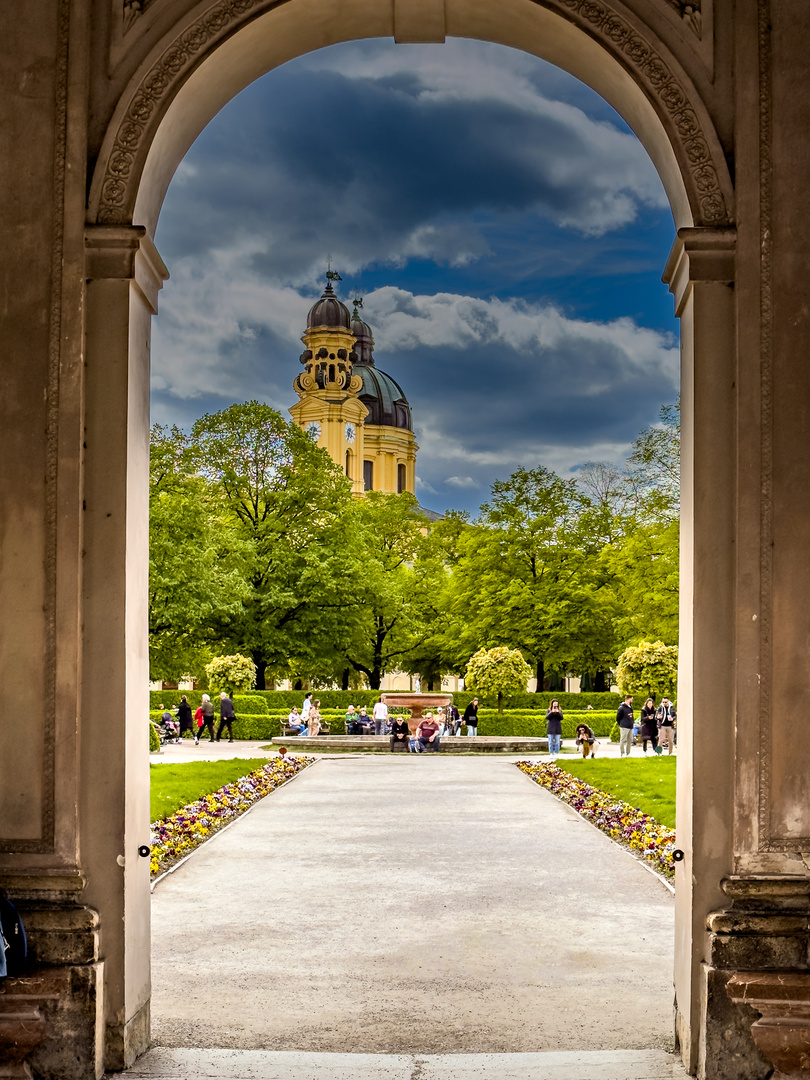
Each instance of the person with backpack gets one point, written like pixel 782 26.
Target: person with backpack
pixel 13 942
pixel 665 718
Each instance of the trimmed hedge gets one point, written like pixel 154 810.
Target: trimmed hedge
pixel 279 700
pixel 154 739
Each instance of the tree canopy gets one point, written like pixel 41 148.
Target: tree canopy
pixel 259 548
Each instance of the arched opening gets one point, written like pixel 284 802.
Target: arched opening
pixel 673 128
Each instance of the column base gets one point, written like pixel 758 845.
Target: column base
pixel 764 934
pixel 126 1042
pixel 782 1034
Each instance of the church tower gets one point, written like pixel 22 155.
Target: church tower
pixel 329 407
pixel 349 406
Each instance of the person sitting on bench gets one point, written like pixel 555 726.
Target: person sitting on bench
pixel 399 733
pixel 428 734
pixel 294 721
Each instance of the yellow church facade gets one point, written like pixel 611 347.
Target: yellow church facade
pixel 351 408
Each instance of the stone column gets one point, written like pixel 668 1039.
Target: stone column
pixel 124 274
pixel 760 921
pixel 700 273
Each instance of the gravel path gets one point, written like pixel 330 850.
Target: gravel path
pixel 412 905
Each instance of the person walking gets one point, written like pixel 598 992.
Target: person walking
pixel 624 718
pixel 453 720
pixel 554 719
pixel 315 718
pixel 305 709
pixel 380 714
pixel 184 716
pixel 649 726
pixel 207 719
pixel 471 717
pixel 226 716
pixel 665 719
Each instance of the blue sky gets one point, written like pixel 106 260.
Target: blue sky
pixel 504 226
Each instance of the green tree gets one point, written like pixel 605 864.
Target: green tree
pixel 641 554
pixel 287 504
pixel 394 609
pixel 492 671
pixel 195 579
pixel 528 575
pixel 649 669
pixel 237 672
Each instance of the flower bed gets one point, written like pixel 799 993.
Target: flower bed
pixel 622 822
pixel 176 836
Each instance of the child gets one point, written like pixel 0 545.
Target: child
pixel 586 740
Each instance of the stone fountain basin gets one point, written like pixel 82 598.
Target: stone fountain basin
pixel 419 704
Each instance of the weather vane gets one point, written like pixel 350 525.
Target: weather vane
pixel 331 275
pixel 358 303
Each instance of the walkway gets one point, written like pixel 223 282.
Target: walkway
pixel 412 905
pixel 160 1064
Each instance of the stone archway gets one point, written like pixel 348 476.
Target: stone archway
pixel 106 96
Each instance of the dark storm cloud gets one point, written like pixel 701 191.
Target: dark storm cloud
pixel 380 169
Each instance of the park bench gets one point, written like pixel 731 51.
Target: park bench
pixel 286 730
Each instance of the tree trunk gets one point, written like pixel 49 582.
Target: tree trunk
pixel 500 701
pixel 541 676
pixel 344 682
pixel 298 685
pixel 261 668
pixel 600 685
pixel 375 678
pixel 430 686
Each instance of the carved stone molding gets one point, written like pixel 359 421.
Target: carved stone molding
pixel 690 12
pixel 702 166
pixel 122 159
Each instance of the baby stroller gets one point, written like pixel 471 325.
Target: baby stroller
pixel 168 730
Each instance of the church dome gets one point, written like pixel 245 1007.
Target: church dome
pixel 328 311
pixel 384 399
pixel 364 343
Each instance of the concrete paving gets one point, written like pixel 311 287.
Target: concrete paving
pixel 412 906
pixel 161 1064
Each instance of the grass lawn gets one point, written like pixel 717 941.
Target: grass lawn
pixel 646 783
pixel 173 786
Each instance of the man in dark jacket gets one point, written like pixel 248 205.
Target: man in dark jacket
pixel 226 716
pixel 399 733
pixel 624 718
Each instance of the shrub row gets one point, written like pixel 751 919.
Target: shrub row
pixel 277 700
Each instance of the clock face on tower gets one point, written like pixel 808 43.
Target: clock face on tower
pixel 314 430
pixel 350 433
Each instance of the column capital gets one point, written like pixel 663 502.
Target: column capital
pixel 699 254
pixel 125 252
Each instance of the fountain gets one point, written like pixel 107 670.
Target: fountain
pixel 418 703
